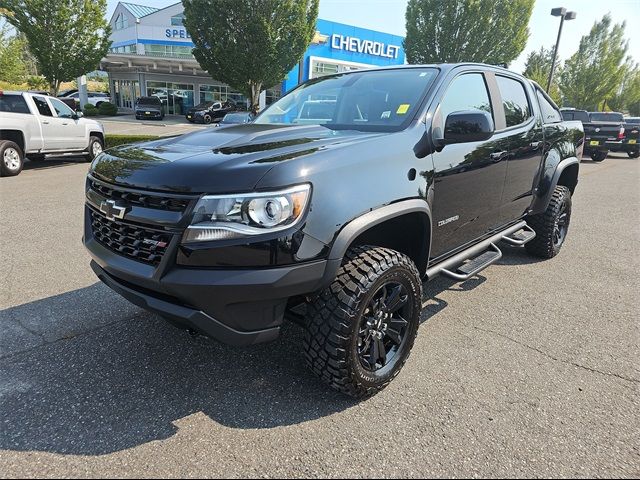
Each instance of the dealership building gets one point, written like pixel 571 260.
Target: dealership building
pixel 151 54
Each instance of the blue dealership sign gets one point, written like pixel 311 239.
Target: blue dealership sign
pixel 347 45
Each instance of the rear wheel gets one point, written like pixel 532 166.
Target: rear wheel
pixel 11 158
pixel 599 155
pixel 635 154
pixel 361 329
pixel 96 147
pixel 551 226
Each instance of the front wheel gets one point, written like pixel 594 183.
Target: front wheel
pixel 360 330
pixel 599 155
pixel 96 147
pixel 11 159
pixel 551 226
pixel 207 119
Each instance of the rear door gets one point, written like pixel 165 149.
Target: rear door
pixel 526 144
pixel 48 125
pixel 469 177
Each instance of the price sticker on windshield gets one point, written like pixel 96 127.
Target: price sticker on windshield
pixel 403 109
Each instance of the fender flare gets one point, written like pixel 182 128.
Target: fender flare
pixel 361 224
pixel 548 184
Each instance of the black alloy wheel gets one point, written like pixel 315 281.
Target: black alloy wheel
pixel 383 328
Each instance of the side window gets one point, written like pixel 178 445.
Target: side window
pixel 550 113
pixel 62 110
pixel 42 106
pixel 13 104
pixel 514 99
pixel 466 92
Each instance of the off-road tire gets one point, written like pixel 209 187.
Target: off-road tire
pixel 599 155
pixel 544 245
pixel 15 156
pixel 334 319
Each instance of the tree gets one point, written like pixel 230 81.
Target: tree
pixel 12 66
pixel 595 72
pixel 537 68
pixel 628 98
pixel 250 44
pixel 489 31
pixel 67 38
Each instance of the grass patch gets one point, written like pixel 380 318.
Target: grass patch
pixel 115 140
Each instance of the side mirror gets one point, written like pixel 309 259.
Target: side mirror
pixel 468 126
pixel 77 115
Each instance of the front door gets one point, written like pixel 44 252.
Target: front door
pixel 67 131
pixel 469 177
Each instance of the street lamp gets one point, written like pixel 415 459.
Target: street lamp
pixel 558 12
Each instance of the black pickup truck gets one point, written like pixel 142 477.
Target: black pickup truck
pixel 335 219
pixel 631 141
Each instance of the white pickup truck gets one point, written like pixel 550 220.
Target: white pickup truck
pixel 34 125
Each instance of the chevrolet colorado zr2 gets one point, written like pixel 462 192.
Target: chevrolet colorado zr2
pixel 335 217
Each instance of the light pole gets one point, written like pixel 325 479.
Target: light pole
pixel 558 12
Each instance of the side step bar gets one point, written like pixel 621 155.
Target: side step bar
pixel 486 253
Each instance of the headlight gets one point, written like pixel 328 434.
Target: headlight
pixel 225 217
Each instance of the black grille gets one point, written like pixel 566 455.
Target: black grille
pixel 133 241
pixel 140 199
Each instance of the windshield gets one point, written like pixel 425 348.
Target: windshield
pixel 381 100
pixel 204 105
pixel 606 117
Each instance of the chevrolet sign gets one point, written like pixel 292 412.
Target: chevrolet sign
pixel 356 45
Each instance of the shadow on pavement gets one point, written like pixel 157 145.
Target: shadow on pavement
pixel 91 374
pixel 53 162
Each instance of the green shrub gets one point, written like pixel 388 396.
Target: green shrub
pixel 108 109
pixel 90 110
pixel 115 140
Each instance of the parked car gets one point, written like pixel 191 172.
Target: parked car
pixel 34 125
pixel 149 108
pixel 210 112
pixel 94 98
pixel 237 118
pixel 336 224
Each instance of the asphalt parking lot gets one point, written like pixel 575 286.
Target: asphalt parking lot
pixel 532 369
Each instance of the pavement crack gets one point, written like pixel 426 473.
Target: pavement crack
pixel 556 359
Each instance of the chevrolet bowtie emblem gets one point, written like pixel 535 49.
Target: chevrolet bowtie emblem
pixel 319 38
pixel 112 211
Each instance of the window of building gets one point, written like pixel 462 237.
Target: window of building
pixel 321 68
pixel 122 22
pixel 175 51
pixel 176 98
pixel 42 106
pixel 178 20
pixel 514 100
pixel 550 113
pixel 123 49
pixel 220 93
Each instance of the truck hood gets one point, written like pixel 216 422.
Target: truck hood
pixel 217 160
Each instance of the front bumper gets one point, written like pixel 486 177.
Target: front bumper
pixel 237 307
pixel 151 114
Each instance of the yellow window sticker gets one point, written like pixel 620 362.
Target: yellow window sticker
pixel 403 109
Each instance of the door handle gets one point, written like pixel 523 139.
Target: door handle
pixel 45 123
pixel 65 123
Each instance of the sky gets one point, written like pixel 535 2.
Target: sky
pixel 388 16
